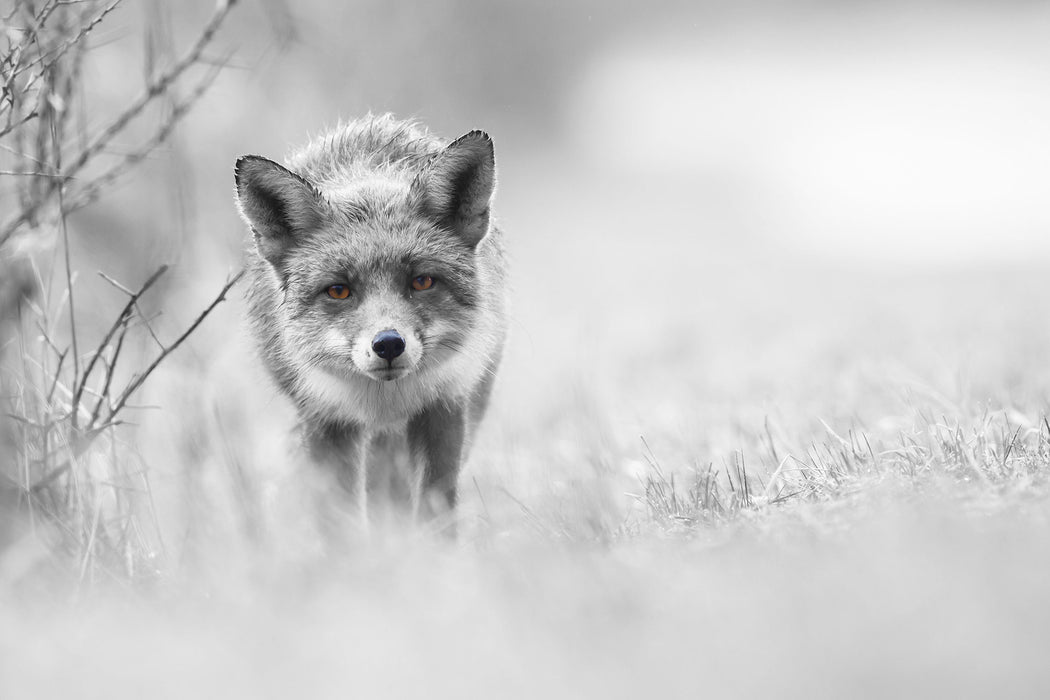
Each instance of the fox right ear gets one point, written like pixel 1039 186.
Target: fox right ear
pixel 278 205
pixel 456 186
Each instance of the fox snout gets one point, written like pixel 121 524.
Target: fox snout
pixel 388 344
pixel 387 353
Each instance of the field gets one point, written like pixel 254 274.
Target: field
pixel 727 456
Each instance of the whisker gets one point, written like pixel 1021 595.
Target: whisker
pixel 454 347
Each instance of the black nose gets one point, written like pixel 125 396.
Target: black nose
pixel 388 344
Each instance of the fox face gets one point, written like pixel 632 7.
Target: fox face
pixel 382 299
pixel 373 302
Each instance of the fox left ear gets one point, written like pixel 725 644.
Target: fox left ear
pixel 456 186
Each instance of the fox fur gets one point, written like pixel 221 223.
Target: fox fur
pixel 377 206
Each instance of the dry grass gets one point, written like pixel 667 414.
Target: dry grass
pixel 879 551
pixel 993 459
pixel 66 471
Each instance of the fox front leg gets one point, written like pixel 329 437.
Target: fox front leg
pixel 436 436
pixel 341 450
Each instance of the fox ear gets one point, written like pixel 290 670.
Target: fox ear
pixel 278 205
pixel 456 186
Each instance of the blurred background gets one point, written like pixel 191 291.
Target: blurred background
pixel 902 134
pixel 707 204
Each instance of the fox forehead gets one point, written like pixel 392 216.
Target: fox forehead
pixel 368 191
pixel 380 253
pixel 370 225
pixel 374 245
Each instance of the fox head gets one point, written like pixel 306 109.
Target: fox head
pixel 375 271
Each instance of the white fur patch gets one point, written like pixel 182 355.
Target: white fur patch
pixel 367 361
pixel 387 405
pixel 373 185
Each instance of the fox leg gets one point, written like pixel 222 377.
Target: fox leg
pixel 342 450
pixel 436 437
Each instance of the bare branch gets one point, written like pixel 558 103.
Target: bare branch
pixel 122 319
pixel 14 58
pixel 69 408
pixel 157 87
pixel 65 47
pixel 139 379
pixel 91 432
pixel 110 366
pixel 115 283
pixel 91 191
pixel 58 374
pixel 27 174
pixel 145 321
pixel 22 120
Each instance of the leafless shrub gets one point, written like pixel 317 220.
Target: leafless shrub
pixel 62 466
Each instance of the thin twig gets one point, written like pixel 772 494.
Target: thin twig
pixel 77 38
pixel 104 394
pixel 122 319
pixel 115 283
pixel 139 379
pixel 23 120
pixel 14 57
pixel 58 374
pixel 91 191
pixel 13 173
pixel 156 88
pixel 69 270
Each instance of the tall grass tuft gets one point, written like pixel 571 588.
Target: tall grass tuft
pixel 989 459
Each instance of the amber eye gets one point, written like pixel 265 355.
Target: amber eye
pixel 339 291
pixel 422 283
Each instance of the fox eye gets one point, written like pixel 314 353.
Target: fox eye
pixel 339 291
pixel 422 283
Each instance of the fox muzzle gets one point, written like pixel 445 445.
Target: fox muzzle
pixel 388 344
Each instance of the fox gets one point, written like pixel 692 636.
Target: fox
pixel 377 298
